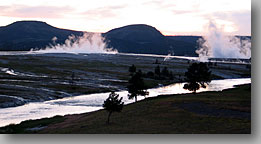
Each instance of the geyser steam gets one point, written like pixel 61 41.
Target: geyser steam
pixel 88 43
pixel 217 44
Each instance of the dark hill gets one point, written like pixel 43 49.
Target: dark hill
pixel 184 45
pixel 139 38
pixel 147 39
pixel 24 35
pixel 136 33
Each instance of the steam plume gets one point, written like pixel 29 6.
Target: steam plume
pixel 167 57
pixel 88 43
pixel 217 44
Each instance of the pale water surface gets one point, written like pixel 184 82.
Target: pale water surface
pixel 93 102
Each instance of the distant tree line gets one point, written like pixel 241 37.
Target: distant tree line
pixel 198 75
pixel 158 74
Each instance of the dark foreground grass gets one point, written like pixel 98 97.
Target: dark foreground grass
pixel 223 112
pixel 25 126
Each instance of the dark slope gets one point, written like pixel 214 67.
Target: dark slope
pixel 147 39
pixel 184 45
pixel 136 33
pixel 24 35
pixel 137 39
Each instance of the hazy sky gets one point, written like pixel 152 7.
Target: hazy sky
pixel 171 17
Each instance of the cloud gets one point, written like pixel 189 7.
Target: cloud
pixel 179 12
pixel 159 4
pixel 241 20
pixel 177 8
pixel 23 11
pixel 103 12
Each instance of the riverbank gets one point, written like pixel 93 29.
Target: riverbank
pixel 227 111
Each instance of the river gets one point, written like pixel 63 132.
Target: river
pixel 92 102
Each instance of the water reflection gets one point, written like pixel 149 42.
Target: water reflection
pixel 93 102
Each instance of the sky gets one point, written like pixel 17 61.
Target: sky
pixel 171 17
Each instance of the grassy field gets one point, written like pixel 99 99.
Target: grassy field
pixel 224 112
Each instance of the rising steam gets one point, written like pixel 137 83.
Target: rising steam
pixel 217 44
pixel 88 43
pixel 168 57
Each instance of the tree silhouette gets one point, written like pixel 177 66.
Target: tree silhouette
pixel 198 75
pixel 113 104
pixel 157 70
pixel 156 62
pixel 132 69
pixel 136 86
pixel 150 74
pixel 165 71
pixel 71 81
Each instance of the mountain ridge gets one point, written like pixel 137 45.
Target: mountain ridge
pixel 135 38
pixel 25 35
